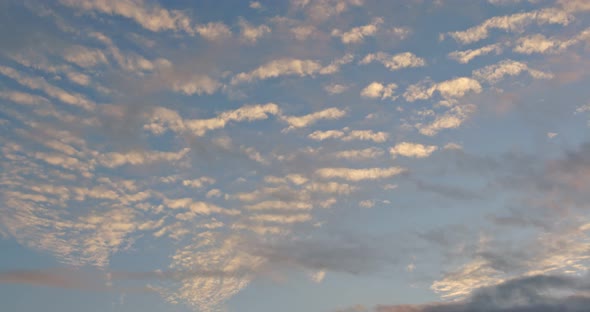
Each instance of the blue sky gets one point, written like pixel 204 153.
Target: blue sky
pixel 302 155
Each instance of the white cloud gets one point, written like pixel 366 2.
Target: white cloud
pixel 251 33
pixel 281 218
pixel 551 135
pixel 394 62
pixel 449 89
pixel 213 31
pixel 335 65
pixel 351 174
pixel 362 154
pixel 319 135
pixel 465 56
pixel 78 78
pixel 130 62
pixel 318 276
pixel 303 32
pixel 280 205
pixel 39 83
pixel 309 119
pixel 449 120
pixel 163 119
pixel 213 193
pixel 496 72
pixel 322 10
pixel 378 90
pixel 280 67
pixel 540 44
pixel 366 135
pixel 291 67
pixel 453 146
pixel 358 34
pixel 367 203
pixel 400 32
pixel 151 17
pixel 114 159
pixel 85 57
pixel 330 188
pixel 255 5
pixel 335 88
pixel 416 150
pixel 350 135
pixel 575 6
pixel 198 84
pixel 472 275
pixel 514 23
pixel 196 208
pixel 198 183
pixel 22 98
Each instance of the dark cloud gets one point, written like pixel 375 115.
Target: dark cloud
pixel 540 293
pixel 448 191
pixel 352 254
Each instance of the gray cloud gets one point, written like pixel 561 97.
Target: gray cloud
pixel 352 254
pixel 529 294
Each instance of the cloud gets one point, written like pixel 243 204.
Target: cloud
pixel 250 33
pixel 198 84
pixel 362 154
pixel 303 32
pixel 321 10
pixel 449 120
pixel 85 57
pixel 466 56
pixel 114 159
pixel 39 83
pixel 255 5
pixel 213 31
pixel 280 67
pixel 540 293
pixel 335 88
pixel 350 135
pixel 151 17
pixel 540 44
pixel 78 78
pixel 496 72
pixel 198 183
pixel 366 135
pixel 281 218
pixel 291 67
pixel 319 135
pixel 408 149
pixel 334 66
pixel 195 208
pixel 378 90
pixel 343 254
pixel 358 34
pixel 22 97
pixel 163 119
pixel 449 89
pixel 351 174
pixel 514 23
pixel 575 5
pixel 394 62
pixel 309 119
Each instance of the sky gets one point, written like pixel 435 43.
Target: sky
pixel 295 155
